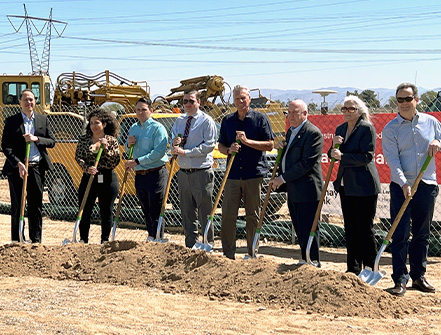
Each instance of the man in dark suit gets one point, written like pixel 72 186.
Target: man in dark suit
pixel 301 170
pixel 27 126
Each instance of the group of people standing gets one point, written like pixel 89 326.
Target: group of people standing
pixel 407 140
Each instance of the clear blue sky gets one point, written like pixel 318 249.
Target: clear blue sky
pixel 295 44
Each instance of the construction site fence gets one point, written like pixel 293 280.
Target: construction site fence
pixel 61 198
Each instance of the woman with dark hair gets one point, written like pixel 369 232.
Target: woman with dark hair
pixel 102 130
pixel 357 182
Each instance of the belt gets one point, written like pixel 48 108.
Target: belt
pixel 33 164
pixel 194 170
pixel 142 172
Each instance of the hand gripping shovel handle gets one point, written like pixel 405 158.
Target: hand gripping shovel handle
pixel 216 203
pixel 265 204
pixel 407 200
pixel 224 180
pixel 121 195
pixel 86 194
pixel 23 194
pixel 319 208
pixel 167 191
pixel 372 277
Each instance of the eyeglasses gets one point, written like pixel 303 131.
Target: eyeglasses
pixel 349 109
pixel 192 102
pixel 407 99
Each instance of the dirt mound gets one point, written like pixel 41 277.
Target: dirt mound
pixel 176 269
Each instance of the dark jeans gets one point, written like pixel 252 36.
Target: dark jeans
pixel 420 212
pixel 150 189
pixel 358 214
pixel 302 216
pixel 34 198
pixel 106 192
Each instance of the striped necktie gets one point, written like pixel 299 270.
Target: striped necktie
pixel 187 130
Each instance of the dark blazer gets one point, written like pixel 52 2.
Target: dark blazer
pixel 357 165
pixel 303 172
pixel 14 145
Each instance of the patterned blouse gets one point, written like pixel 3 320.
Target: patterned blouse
pixel 86 158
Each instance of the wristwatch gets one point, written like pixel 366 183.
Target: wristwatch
pixel 136 161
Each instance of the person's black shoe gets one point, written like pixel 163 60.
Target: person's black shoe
pixel 422 285
pixel 398 290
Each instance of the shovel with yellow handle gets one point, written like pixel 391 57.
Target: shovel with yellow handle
pixel 205 245
pixel 23 195
pixel 319 210
pixel 255 247
pixel 164 201
pixel 121 195
pixel 370 276
pixel 83 202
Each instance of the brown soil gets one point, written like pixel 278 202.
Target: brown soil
pixel 128 287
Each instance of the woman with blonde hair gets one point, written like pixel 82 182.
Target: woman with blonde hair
pixel 357 182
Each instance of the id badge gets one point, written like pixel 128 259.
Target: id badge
pixel 100 178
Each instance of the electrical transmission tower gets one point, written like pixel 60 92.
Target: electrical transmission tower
pixel 38 67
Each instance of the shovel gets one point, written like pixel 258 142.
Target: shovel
pixel 164 201
pixel 121 195
pixel 373 277
pixel 255 247
pixel 205 245
pixel 319 210
pixel 83 202
pixel 23 195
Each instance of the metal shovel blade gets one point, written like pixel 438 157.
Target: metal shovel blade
pixel 252 257
pixel 74 239
pixel 115 223
pixel 203 246
pixel 66 241
pixel 20 228
pixel 255 247
pixel 371 277
pixel 158 231
pixel 308 251
pixel 161 240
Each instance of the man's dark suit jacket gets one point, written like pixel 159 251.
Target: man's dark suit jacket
pixel 14 145
pixel 303 172
pixel 357 165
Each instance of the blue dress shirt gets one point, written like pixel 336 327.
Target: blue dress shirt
pixel 151 144
pixel 405 144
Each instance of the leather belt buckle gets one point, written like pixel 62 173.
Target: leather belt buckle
pixel 193 170
pixel 143 172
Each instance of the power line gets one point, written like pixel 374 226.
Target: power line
pixel 260 49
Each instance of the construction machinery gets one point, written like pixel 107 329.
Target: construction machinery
pixel 76 89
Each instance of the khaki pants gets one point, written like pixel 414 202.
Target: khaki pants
pixel 235 190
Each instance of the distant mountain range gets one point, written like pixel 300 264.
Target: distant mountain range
pixel 383 94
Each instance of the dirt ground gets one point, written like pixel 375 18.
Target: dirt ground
pixel 133 287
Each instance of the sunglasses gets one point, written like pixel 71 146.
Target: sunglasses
pixel 349 109
pixel 185 101
pixel 407 99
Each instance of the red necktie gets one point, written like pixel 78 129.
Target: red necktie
pixel 186 131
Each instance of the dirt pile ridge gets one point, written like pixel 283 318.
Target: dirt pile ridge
pixel 176 269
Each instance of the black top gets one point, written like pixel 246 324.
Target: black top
pixel 14 144
pixel 357 165
pixel 249 163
